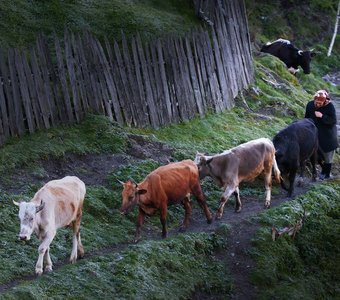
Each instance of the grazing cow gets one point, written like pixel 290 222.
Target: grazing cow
pixel 166 185
pixel 242 163
pixel 57 204
pixel 290 55
pixel 294 145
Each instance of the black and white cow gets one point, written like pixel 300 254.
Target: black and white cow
pixel 294 145
pixel 290 55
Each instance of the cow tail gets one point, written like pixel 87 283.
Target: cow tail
pixel 277 172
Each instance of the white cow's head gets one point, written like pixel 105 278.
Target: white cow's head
pixel 27 215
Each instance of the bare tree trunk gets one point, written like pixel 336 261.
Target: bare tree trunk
pixel 335 30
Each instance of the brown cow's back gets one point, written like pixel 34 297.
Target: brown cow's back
pixel 173 182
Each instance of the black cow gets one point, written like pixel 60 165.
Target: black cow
pixel 294 146
pixel 290 55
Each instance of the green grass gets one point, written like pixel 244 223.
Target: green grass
pixel 305 267
pixel 22 20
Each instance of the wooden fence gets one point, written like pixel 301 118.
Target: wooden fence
pixel 166 81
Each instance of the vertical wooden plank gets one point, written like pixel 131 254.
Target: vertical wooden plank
pixel 38 121
pixel 17 104
pixel 7 89
pixel 40 90
pixel 63 80
pixel 3 107
pixel 225 92
pixel 4 113
pixel 147 86
pixel 46 81
pixel 156 84
pixel 122 71
pixel 187 79
pixel 194 78
pixel 227 54
pixel 79 72
pixel 94 72
pixel 72 77
pixel 25 98
pixel 211 75
pixel 169 54
pixel 58 110
pixel 140 88
pixel 164 82
pixel 202 75
pixel 109 80
pixel 117 70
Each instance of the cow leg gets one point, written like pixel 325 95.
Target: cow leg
pixel 197 192
pixel 164 211
pixel 80 252
pixel 188 209
pixel 140 221
pixel 48 261
pixel 76 246
pixel 313 159
pixel 44 246
pixel 291 178
pixel 268 187
pixel 238 204
pixel 225 196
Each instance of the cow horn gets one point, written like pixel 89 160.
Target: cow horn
pixel 121 182
pixel 40 207
pixel 300 52
pixel 16 203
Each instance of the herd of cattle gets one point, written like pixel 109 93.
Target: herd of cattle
pixel 59 203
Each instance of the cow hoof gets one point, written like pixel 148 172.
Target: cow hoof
pixel 267 206
pixel 209 221
pixel 38 271
pixel 137 239
pixel 73 260
pixel 48 269
pixel 80 254
pixel 218 216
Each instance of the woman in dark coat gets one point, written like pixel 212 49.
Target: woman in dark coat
pixel 321 110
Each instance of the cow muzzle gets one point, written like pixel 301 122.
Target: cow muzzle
pixel 24 237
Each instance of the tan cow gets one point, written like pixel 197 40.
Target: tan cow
pixel 170 184
pixel 57 204
pixel 242 163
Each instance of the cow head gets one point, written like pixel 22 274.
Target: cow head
pixel 202 163
pixel 130 196
pixel 27 216
pixel 304 59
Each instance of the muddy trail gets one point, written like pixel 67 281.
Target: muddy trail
pixel 94 169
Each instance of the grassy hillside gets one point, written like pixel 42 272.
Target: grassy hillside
pixel 114 268
pixel 22 20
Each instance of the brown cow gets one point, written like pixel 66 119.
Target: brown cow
pixel 170 184
pixel 57 204
pixel 242 163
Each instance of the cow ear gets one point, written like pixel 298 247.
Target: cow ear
pixel 312 54
pixel 142 191
pixel 16 203
pixel 209 160
pixel 40 207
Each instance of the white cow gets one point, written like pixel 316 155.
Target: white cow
pixel 57 204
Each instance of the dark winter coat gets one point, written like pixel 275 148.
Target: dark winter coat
pixel 327 131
